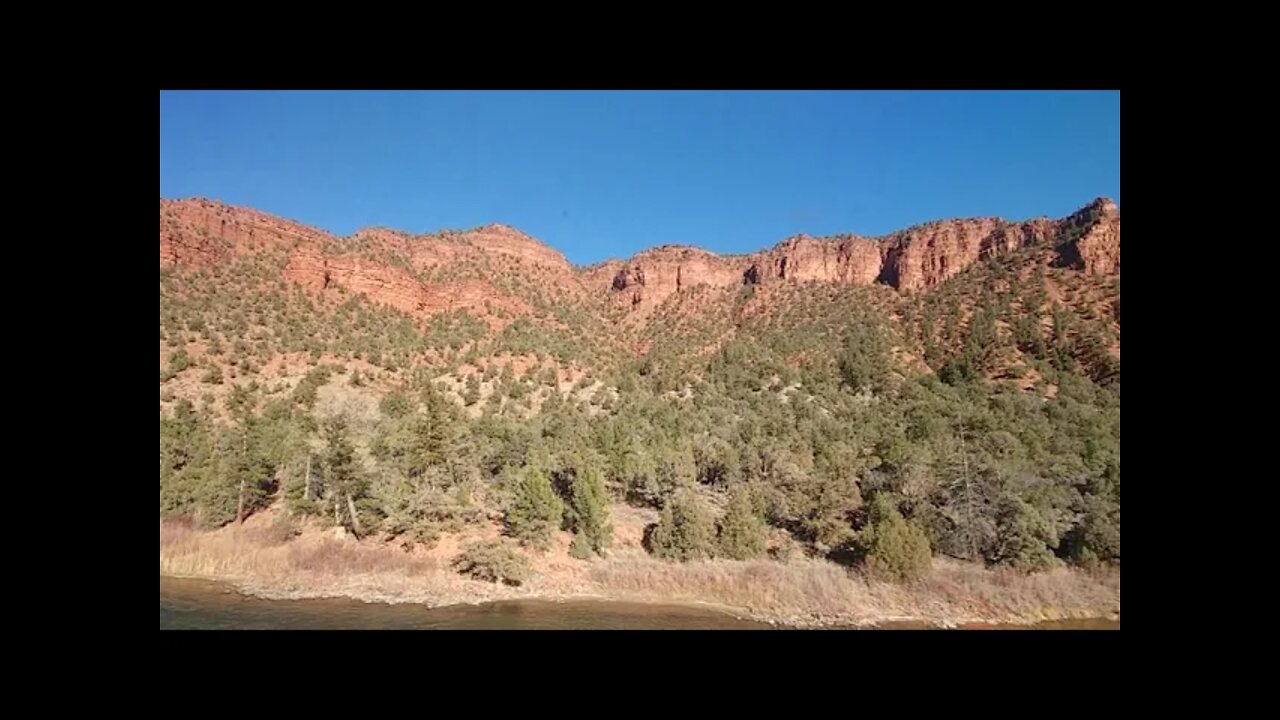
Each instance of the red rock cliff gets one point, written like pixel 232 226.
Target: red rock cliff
pixel 910 260
pixel 841 259
pixel 654 275
pixel 1097 249
pixel 203 232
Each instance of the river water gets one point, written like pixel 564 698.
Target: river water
pixel 201 605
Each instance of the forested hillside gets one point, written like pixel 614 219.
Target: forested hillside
pixel 949 391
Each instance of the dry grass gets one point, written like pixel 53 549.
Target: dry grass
pixel 819 592
pixel 802 590
pixel 805 592
pixel 255 550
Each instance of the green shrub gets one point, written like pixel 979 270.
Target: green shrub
pixel 493 561
pixel 684 532
pixel 395 405
pixel 179 361
pixel 895 548
pixel 581 547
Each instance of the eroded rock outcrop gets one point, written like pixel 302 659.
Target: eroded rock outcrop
pixel 928 254
pixel 841 259
pixel 628 276
pixel 379 263
pixel 428 273
pixel 1098 247
pixel 317 272
pixel 1015 236
pixel 202 232
pixel 654 275
pixel 910 260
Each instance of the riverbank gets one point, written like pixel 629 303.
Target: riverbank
pixel 804 593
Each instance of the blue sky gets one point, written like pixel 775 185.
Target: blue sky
pixel 607 174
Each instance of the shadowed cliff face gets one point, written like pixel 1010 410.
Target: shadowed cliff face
pixel 388 266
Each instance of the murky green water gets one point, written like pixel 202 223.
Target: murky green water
pixel 199 605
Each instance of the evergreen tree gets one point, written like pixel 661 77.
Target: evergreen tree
pixel 536 510
pixel 895 548
pixel 1028 338
pixel 472 394
pixel 742 532
pixel 684 532
pixel 395 405
pixel 589 511
pixel 864 361
pixel 435 434
pixel 249 468
pixel 344 478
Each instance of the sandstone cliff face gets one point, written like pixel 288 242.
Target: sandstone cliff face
pixel 319 273
pixel 926 255
pixel 602 276
pixel 203 232
pixel 841 259
pixel 910 260
pixel 1014 236
pixel 1098 248
pixel 422 252
pixel 188 247
pixel 654 275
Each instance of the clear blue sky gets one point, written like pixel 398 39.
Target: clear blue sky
pixel 606 174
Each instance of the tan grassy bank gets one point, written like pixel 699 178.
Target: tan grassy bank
pixel 800 593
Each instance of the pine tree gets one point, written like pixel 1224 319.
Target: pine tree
pixel 435 433
pixel 472 395
pixel 535 510
pixel 980 343
pixel 742 532
pixel 895 548
pixel 345 481
pixel 247 469
pixel 395 405
pixel 865 361
pixel 684 531
pixel 589 511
